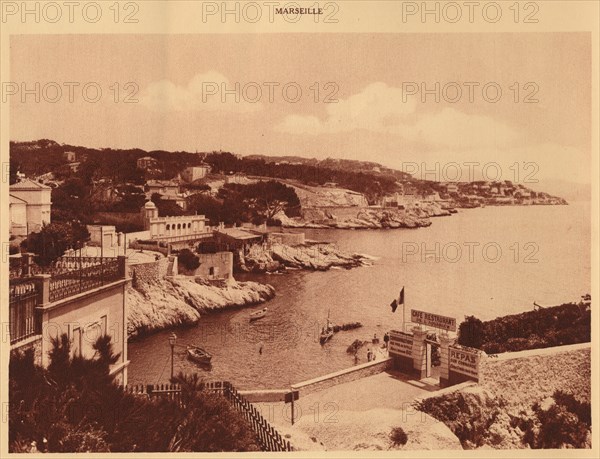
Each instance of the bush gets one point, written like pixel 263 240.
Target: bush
pixel 188 260
pixel 548 327
pixel 469 416
pixel 398 436
pixel 75 406
pixel 470 332
pixel 566 423
pixel 54 239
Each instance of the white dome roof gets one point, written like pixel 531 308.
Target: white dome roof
pixel 149 205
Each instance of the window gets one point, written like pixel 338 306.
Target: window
pixel 211 271
pixel 168 227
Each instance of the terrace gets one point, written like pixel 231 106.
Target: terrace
pixel 32 287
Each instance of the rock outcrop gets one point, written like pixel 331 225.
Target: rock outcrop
pixel 313 256
pixel 169 302
pixel 367 218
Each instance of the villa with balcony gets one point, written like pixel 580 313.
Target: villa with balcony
pixel 82 297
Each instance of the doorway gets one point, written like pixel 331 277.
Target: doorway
pixel 432 358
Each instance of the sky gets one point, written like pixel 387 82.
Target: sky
pixel 175 85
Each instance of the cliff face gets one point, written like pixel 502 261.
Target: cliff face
pixel 161 303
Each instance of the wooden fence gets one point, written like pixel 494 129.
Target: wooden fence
pixel 268 438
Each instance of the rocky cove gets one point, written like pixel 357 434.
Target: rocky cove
pixel 156 300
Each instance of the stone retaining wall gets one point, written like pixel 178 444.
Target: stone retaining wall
pixel 147 273
pixel 537 373
pixel 342 376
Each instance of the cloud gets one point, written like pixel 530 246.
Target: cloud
pixel 454 129
pixel 380 108
pixel 204 92
pixel 373 108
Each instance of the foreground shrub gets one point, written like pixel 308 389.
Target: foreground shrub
pixel 75 406
pixel 398 436
pixel 469 415
pixel 566 423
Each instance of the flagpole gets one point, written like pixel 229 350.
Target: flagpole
pixel 404 312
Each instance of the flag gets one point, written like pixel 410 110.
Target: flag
pixel 394 305
pixel 401 300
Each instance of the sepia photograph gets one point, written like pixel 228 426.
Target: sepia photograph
pixel 366 228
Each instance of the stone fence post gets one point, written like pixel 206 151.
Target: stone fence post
pixel 419 352
pixel 445 343
pixel 122 260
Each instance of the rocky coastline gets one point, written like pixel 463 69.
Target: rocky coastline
pixel 313 256
pixel 171 302
pixel 368 218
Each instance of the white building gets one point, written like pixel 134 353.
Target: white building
pixel 170 227
pixel 30 207
pixel 193 173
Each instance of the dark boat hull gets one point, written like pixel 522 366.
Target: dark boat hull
pixel 202 359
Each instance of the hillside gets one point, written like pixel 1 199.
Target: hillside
pixel 36 158
pixel 315 181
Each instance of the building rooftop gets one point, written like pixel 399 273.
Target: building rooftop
pixel 238 233
pixel 29 184
pixel 161 183
pixel 16 200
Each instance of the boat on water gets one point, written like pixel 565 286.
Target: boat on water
pixel 258 314
pixel 199 355
pixel 326 332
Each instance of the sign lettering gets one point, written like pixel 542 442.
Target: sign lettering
pixel 433 320
pixel 464 360
pixel 400 343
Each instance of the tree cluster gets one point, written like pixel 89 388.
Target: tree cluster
pixel 75 406
pixel 54 239
pixel 547 327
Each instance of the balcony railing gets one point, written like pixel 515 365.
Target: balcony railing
pixel 75 275
pixel 31 286
pixel 23 319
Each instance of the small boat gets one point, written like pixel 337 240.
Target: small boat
pixel 325 335
pixel 258 314
pixel 199 355
pixel 326 332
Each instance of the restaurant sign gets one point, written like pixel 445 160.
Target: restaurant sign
pixel 433 320
pixel 464 360
pixel 401 343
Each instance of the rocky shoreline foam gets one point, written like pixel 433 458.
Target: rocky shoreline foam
pixel 165 303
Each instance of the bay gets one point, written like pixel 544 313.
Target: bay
pixel 485 262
